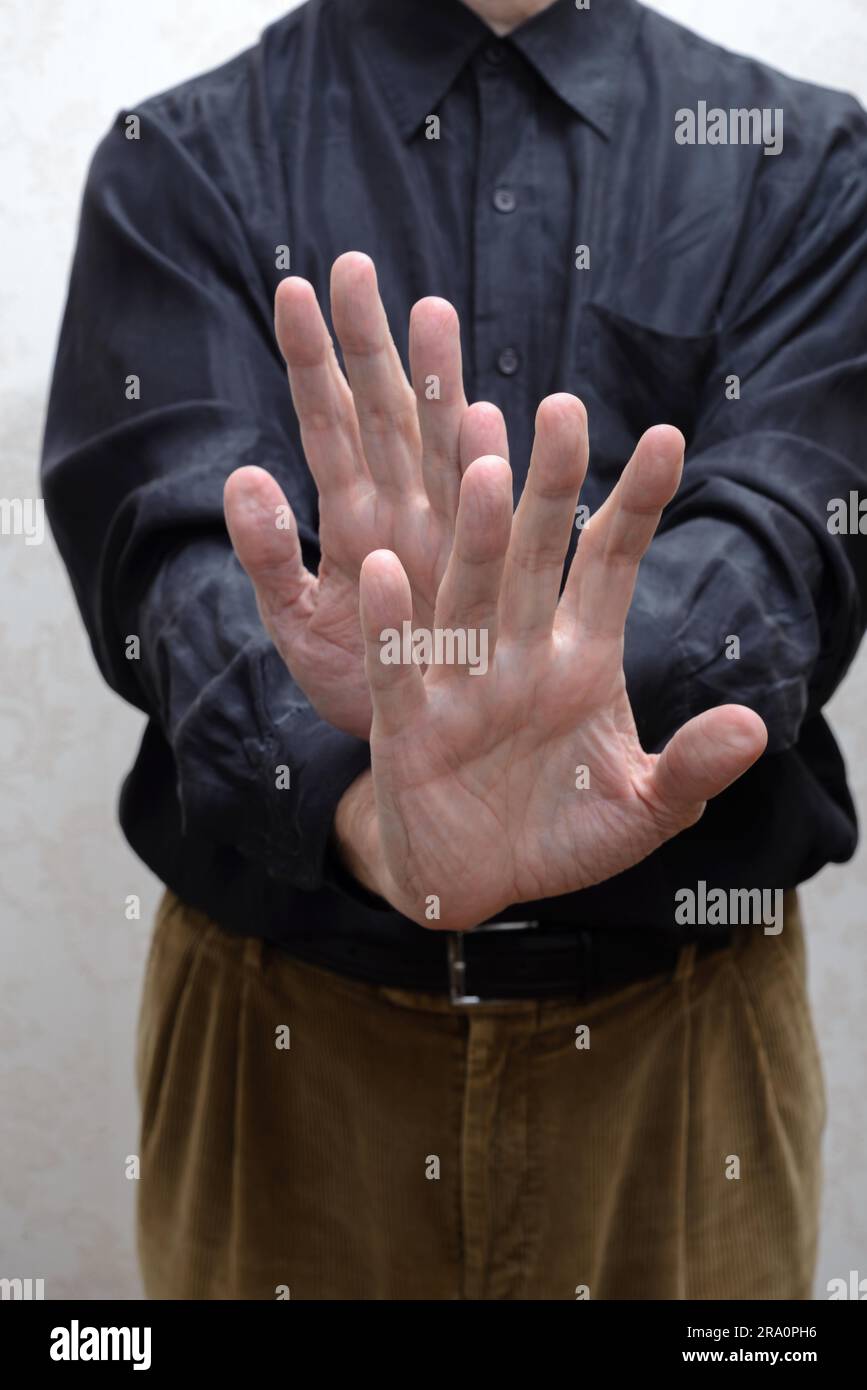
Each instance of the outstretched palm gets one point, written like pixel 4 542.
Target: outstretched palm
pixel 529 781
pixel 387 462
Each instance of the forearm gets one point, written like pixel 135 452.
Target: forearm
pixel 746 596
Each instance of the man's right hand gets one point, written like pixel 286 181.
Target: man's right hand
pixel 387 459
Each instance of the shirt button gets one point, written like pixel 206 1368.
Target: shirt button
pixel 508 362
pixel 494 54
pixel 505 200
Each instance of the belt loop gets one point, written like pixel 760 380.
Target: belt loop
pixel 254 954
pixel 685 962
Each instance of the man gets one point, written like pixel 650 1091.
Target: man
pixel 436 1005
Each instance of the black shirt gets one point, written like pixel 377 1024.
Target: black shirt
pixel 707 262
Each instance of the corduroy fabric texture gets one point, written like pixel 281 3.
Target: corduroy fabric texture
pixel 403 1148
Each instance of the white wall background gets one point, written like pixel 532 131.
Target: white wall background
pixel 70 964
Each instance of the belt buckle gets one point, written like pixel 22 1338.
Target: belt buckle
pixel 457 964
pixel 458 971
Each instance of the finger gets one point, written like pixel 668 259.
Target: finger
pixel 544 520
pixel 469 594
pixel 396 685
pixel 483 431
pixel 385 403
pixel 706 756
pixel 320 393
pixel 265 537
pixel 437 378
pixel 602 576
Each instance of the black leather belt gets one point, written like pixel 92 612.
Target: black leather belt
pixel 552 960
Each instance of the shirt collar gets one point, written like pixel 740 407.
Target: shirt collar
pixel 419 48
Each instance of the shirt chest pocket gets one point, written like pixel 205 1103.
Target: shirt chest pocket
pixel 636 376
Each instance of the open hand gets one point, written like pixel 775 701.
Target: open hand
pixel 528 780
pixel 387 461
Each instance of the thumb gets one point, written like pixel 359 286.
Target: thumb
pixel 706 756
pixel 264 534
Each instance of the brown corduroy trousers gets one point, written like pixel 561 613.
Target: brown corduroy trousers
pixel 308 1136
